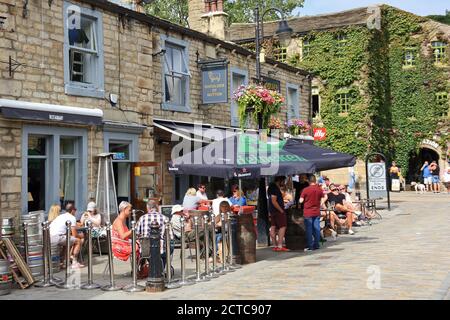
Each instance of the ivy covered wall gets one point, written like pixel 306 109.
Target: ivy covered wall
pixel 392 108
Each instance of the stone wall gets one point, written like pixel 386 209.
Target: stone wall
pixel 130 71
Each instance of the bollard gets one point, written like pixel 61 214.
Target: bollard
pixel 215 271
pixel 231 242
pixel 183 281
pixel 134 287
pixel 53 280
pixel 46 282
pixel 169 283
pixel 155 280
pixel 224 268
pixel 25 242
pixel 133 214
pixel 90 284
pixel 197 253
pixel 112 285
pixel 66 284
pixel 208 272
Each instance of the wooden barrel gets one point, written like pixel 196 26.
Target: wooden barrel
pixel 295 236
pixel 246 238
pixel 5 277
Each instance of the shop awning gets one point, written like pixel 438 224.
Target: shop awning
pixel 24 110
pixel 195 131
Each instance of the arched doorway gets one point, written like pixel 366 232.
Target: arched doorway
pixel 416 161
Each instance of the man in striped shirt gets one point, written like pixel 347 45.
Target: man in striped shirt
pixel 144 223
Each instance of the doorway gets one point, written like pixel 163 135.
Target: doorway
pixel 416 162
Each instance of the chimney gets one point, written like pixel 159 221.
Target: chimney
pixel 207 16
pixel 136 5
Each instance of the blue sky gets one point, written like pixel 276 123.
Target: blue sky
pixel 419 7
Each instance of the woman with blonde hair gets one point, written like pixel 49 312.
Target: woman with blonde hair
pixel 191 200
pixel 238 199
pixel 54 211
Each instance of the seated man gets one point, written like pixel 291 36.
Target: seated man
pixel 143 228
pixel 58 234
pixel 177 214
pixel 342 210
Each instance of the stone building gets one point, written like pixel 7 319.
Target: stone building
pixel 382 81
pixel 83 77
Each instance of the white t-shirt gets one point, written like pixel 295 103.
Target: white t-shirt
pixel 216 205
pixel 202 196
pixel 446 176
pixel 58 226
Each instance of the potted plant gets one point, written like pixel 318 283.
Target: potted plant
pixel 297 127
pixel 256 99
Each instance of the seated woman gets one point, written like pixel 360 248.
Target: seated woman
pixel 54 211
pixel 238 199
pixel 191 200
pixel 120 235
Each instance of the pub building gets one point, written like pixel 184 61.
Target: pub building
pixel 84 77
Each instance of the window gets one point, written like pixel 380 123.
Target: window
pixel 56 167
pixel 83 52
pixel 410 57
pixel 306 46
pixel 238 78
pixel 176 75
pixel 292 101
pixel 67 169
pixel 341 40
pixel 36 169
pixel 280 54
pixel 439 51
pixel 443 103
pixel 343 102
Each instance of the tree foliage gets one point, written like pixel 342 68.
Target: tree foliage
pixel 177 11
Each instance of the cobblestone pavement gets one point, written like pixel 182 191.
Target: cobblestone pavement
pixel 406 255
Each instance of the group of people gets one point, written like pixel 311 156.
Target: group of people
pixel 431 177
pixel 58 219
pixel 323 200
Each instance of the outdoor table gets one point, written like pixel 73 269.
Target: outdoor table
pixel 244 233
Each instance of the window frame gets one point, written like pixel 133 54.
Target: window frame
pixel 442 98
pixel 410 63
pixel 342 40
pixel 442 55
pixel 185 46
pixel 234 105
pixel 97 88
pixel 291 86
pixel 340 94
pixel 53 136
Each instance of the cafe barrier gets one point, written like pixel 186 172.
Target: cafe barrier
pixel 90 284
pixel 184 281
pixel 53 280
pixel 25 242
pixel 231 222
pixel 199 278
pixel 206 235
pixel 155 280
pixel 225 245
pixel 169 283
pixel 112 285
pixel 214 272
pixel 134 287
pixel 66 284
pixel 46 282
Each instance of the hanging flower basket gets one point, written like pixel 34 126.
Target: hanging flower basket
pixel 253 100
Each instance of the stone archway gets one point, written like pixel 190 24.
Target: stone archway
pixel 429 150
